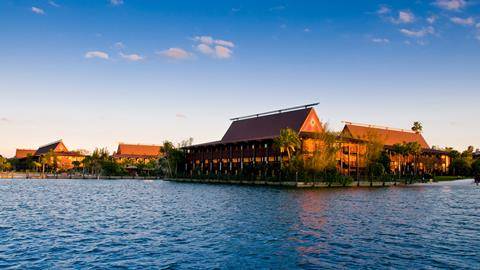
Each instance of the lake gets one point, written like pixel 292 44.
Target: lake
pixel 58 224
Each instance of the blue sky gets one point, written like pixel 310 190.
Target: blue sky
pixel 100 72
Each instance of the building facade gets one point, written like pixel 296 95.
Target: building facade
pixel 250 141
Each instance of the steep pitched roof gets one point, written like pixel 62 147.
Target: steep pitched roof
pixel 387 136
pixel 138 150
pixel 57 146
pixel 269 126
pixel 23 153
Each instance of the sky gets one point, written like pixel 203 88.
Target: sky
pixel 99 72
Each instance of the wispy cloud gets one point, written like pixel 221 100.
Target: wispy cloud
pixel 217 48
pixel 383 9
pixel 307 30
pixel 432 19
pixel 116 2
pixel 180 115
pixel 381 40
pixel 5 120
pixel 463 21
pixel 175 53
pixel 97 54
pixel 132 57
pixel 37 10
pixel 210 40
pixel 418 33
pixel 53 3
pixel 451 4
pixel 222 52
pixel 404 16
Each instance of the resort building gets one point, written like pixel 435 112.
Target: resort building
pixel 250 141
pixel 137 153
pixel 428 159
pixel 23 153
pixel 60 154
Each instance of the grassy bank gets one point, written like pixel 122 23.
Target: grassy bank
pixel 448 178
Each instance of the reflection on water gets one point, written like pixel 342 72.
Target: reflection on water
pixel 136 224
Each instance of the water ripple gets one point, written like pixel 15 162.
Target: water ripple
pixel 64 224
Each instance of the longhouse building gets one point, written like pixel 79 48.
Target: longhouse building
pixel 250 141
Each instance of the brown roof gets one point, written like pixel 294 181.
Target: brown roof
pixel 57 146
pixel 23 153
pixel 138 150
pixel 388 136
pixel 269 126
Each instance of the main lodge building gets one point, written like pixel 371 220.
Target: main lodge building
pixel 250 140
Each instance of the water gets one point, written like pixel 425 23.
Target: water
pixel 136 225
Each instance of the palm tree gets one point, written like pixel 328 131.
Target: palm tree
pixel 415 149
pixel 400 150
pixel 417 127
pixel 288 142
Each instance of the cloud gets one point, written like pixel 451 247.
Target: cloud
pixel 383 10
pixel 4 119
pixel 175 53
pixel 53 4
pixel 451 4
pixel 205 49
pixel 97 54
pixel 132 57
pixel 37 10
pixel 222 52
pixel 216 48
pixel 418 33
pixel 405 16
pixel 432 19
pixel 463 21
pixel 116 2
pixel 307 30
pixel 381 40
pixel 208 40
pixel 478 25
pixel 180 115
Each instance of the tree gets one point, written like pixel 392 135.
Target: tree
pixel 288 142
pixel 400 150
pixel 417 127
pixel 171 159
pixel 460 167
pixel 325 153
pixel 414 149
pixel 4 164
pixel 476 168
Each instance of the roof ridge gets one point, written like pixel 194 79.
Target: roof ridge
pixel 274 112
pixel 379 127
pixel 48 144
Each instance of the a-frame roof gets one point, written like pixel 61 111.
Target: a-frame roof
pixel 57 146
pixel 269 126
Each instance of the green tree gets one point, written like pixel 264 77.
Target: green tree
pixel 414 149
pixel 476 168
pixel 400 151
pixel 417 127
pixel 173 157
pixel 460 167
pixel 288 142
pixel 325 154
